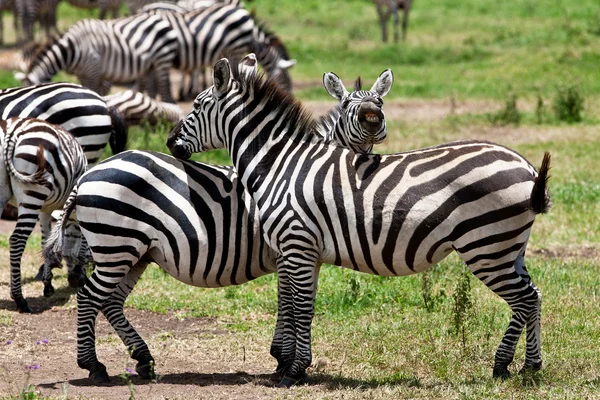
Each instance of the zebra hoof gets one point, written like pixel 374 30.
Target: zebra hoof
pixel 286 382
pixel 530 368
pixel 22 306
pixel 146 371
pixel 99 377
pixel 501 371
pixel 48 289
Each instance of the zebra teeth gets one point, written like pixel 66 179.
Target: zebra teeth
pixel 372 117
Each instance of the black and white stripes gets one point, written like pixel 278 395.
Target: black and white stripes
pixel 99 53
pixel 382 214
pixel 40 164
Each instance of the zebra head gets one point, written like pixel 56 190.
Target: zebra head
pixel 362 121
pixel 201 129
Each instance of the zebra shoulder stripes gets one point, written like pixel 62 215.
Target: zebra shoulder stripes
pixel 99 53
pixel 195 220
pixel 41 163
pixel 389 215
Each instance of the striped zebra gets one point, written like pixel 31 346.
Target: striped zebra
pixel 76 109
pixel 100 53
pixel 195 220
pixel 388 215
pixel 138 108
pixel 10 5
pixel 104 5
pixel 41 164
pixel 387 8
pixel 206 34
pixel 42 11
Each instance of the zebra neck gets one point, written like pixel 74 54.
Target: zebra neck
pixel 50 62
pixel 340 136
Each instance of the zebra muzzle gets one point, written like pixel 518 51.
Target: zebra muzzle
pixel 370 117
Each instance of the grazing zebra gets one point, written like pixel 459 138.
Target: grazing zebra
pixel 41 163
pixel 115 51
pixel 104 5
pixel 206 34
pixel 389 215
pixel 387 8
pixel 76 109
pixel 195 220
pixel 136 108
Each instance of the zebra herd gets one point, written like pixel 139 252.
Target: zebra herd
pixel 301 191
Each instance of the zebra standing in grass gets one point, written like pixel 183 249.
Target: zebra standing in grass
pixel 100 53
pixel 195 220
pixel 76 109
pixel 41 164
pixel 387 8
pixel 10 5
pixel 104 5
pixel 388 215
pixel 137 108
pixel 204 35
pixel 42 11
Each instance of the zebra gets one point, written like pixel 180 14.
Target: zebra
pixel 385 8
pixel 205 34
pixel 195 220
pixel 41 165
pixel 31 11
pixel 389 215
pixel 115 51
pixel 76 109
pixel 137 108
pixel 104 5
pixel 9 5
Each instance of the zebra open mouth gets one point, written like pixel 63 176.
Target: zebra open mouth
pixel 370 117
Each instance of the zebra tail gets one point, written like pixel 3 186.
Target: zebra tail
pixel 53 247
pixel 119 136
pixel 540 201
pixel 42 165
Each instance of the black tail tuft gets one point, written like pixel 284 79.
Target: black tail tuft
pixel 120 131
pixel 540 198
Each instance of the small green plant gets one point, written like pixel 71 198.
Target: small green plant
pixel 540 109
pixel 28 393
pixel 126 376
pixel 568 103
pixel 510 114
pixel 463 303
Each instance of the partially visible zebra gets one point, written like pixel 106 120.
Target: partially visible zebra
pixel 41 163
pixel 42 11
pixel 387 8
pixel 76 109
pixel 388 215
pixel 137 108
pixel 104 5
pixel 10 5
pixel 99 53
pixel 195 220
pixel 206 34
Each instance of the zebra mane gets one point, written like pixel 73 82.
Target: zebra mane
pixel 36 50
pixel 277 100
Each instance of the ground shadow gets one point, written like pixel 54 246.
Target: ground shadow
pixel 40 304
pixel 331 382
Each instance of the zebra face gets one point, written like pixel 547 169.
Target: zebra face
pixel 361 109
pixel 201 130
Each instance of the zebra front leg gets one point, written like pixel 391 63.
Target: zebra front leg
pixel 297 306
pixel 90 299
pixel 504 280
pixel 113 311
pixel 26 220
pixel 277 343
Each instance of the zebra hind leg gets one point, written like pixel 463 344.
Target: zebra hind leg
pixel 113 311
pixel 90 299
pixel 506 280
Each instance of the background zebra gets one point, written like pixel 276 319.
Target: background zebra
pixel 100 53
pixel 76 109
pixel 42 11
pixel 206 34
pixel 104 5
pixel 195 220
pixel 387 8
pixel 137 108
pixel 388 215
pixel 41 163
pixel 10 5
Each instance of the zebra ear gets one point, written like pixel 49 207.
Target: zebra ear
pixel 286 64
pixel 221 77
pixel 20 76
pixel 248 66
pixel 334 86
pixel 383 84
